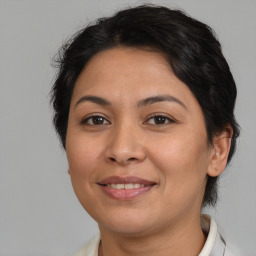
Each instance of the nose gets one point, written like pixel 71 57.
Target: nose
pixel 125 145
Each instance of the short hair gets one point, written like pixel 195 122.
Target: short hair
pixel 191 49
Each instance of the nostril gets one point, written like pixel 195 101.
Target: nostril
pixel 112 159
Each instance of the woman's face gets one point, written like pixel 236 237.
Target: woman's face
pixel 136 143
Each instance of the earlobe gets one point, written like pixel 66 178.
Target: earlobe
pixel 220 152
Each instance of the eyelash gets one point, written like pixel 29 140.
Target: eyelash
pixel 169 120
pixel 86 120
pixel 165 118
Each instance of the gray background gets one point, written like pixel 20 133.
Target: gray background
pixel 39 213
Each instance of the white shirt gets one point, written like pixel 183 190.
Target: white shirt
pixel 215 245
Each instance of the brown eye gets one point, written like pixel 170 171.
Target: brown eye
pixel 95 120
pixel 159 120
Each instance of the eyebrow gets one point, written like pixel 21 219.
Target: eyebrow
pixel 93 99
pixel 159 98
pixel 141 103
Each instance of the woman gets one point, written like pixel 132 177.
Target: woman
pixel 144 107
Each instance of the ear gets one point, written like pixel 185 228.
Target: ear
pixel 68 171
pixel 220 151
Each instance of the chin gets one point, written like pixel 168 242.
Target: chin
pixel 132 224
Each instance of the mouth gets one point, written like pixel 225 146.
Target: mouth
pixel 125 188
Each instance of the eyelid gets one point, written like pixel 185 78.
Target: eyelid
pixel 84 119
pixel 168 117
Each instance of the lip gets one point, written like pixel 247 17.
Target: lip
pixel 125 194
pixel 125 180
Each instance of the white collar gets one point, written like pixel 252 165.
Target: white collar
pixel 209 227
pixel 214 245
pixel 91 248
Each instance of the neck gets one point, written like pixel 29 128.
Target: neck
pixel 182 239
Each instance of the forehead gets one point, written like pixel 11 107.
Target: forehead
pixel 130 73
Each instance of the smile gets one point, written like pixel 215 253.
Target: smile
pixel 125 188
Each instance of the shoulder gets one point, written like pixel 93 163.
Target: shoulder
pixel 231 252
pixel 91 248
pixel 215 244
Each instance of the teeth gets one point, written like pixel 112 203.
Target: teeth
pixel 119 186
pixel 128 186
pixel 113 185
pixel 125 186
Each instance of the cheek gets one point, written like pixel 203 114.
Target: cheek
pixel 182 162
pixel 82 156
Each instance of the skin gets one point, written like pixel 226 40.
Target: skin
pixel 127 141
